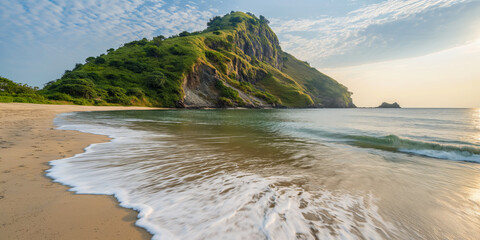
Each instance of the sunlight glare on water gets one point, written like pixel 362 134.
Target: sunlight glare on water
pixel 475 191
pixel 476 122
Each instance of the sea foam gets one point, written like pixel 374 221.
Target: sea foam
pixel 185 192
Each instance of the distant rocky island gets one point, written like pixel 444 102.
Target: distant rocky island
pixel 389 105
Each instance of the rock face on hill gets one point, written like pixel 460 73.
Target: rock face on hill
pixel 389 105
pixel 236 62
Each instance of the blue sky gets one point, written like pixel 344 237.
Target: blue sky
pixel 39 39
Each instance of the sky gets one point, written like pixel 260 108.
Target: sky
pixel 419 53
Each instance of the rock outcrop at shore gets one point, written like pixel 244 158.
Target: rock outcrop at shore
pixel 389 105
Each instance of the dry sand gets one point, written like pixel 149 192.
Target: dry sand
pixel 31 205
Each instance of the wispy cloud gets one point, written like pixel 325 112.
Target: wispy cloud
pixel 318 39
pixel 55 34
pixel 122 19
pixel 49 36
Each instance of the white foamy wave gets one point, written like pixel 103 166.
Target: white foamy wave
pixel 449 155
pixel 185 192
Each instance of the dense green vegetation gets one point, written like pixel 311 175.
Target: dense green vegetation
pixel 139 73
pixel 14 92
pixel 241 58
pixel 322 88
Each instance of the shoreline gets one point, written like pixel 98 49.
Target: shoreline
pixel 32 206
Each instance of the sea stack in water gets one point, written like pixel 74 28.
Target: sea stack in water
pixel 236 62
pixel 389 105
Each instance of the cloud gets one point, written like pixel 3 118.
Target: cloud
pixel 121 19
pixel 48 36
pixel 323 39
pixel 62 32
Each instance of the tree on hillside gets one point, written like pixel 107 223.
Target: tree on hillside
pixel 100 60
pixel 214 21
pixel 264 20
pixel 184 34
pixel 156 80
pixel 152 51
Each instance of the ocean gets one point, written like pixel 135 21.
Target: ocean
pixel 285 173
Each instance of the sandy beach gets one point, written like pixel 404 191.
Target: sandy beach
pixel 34 207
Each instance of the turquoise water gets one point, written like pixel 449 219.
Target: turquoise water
pixel 285 174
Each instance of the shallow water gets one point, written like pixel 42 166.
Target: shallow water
pixel 286 174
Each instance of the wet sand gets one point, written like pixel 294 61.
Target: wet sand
pixel 34 207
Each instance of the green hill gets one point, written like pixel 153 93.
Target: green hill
pixel 236 61
pixel 14 92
